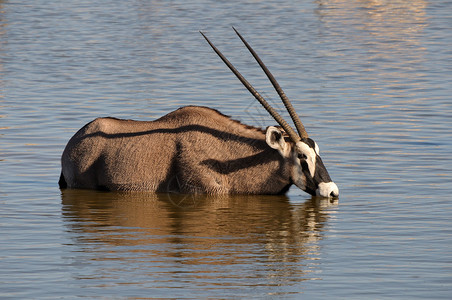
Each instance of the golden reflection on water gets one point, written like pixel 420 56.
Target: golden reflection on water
pixel 266 233
pixel 389 36
pixel 398 19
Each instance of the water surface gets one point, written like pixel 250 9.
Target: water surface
pixel 370 79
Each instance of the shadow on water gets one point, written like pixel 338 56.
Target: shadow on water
pixel 216 239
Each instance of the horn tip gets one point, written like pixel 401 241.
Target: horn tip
pixel 237 32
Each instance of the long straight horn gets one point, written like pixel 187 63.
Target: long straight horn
pixel 296 119
pixel 292 134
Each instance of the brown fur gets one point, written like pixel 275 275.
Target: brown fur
pixel 191 150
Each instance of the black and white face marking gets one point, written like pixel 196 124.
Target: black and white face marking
pixel 308 153
pixel 312 175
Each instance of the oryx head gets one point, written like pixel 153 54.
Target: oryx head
pixel 308 171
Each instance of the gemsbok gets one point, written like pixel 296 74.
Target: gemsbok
pixel 197 150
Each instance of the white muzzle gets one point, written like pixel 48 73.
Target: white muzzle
pixel 327 190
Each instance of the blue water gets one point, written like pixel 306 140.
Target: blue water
pixel 370 79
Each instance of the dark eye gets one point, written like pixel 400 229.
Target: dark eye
pixel 302 156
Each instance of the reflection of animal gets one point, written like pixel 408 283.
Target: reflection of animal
pixel 153 226
pixel 197 150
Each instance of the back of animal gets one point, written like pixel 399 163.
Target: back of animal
pixel 114 154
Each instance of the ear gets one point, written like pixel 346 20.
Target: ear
pixel 275 140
